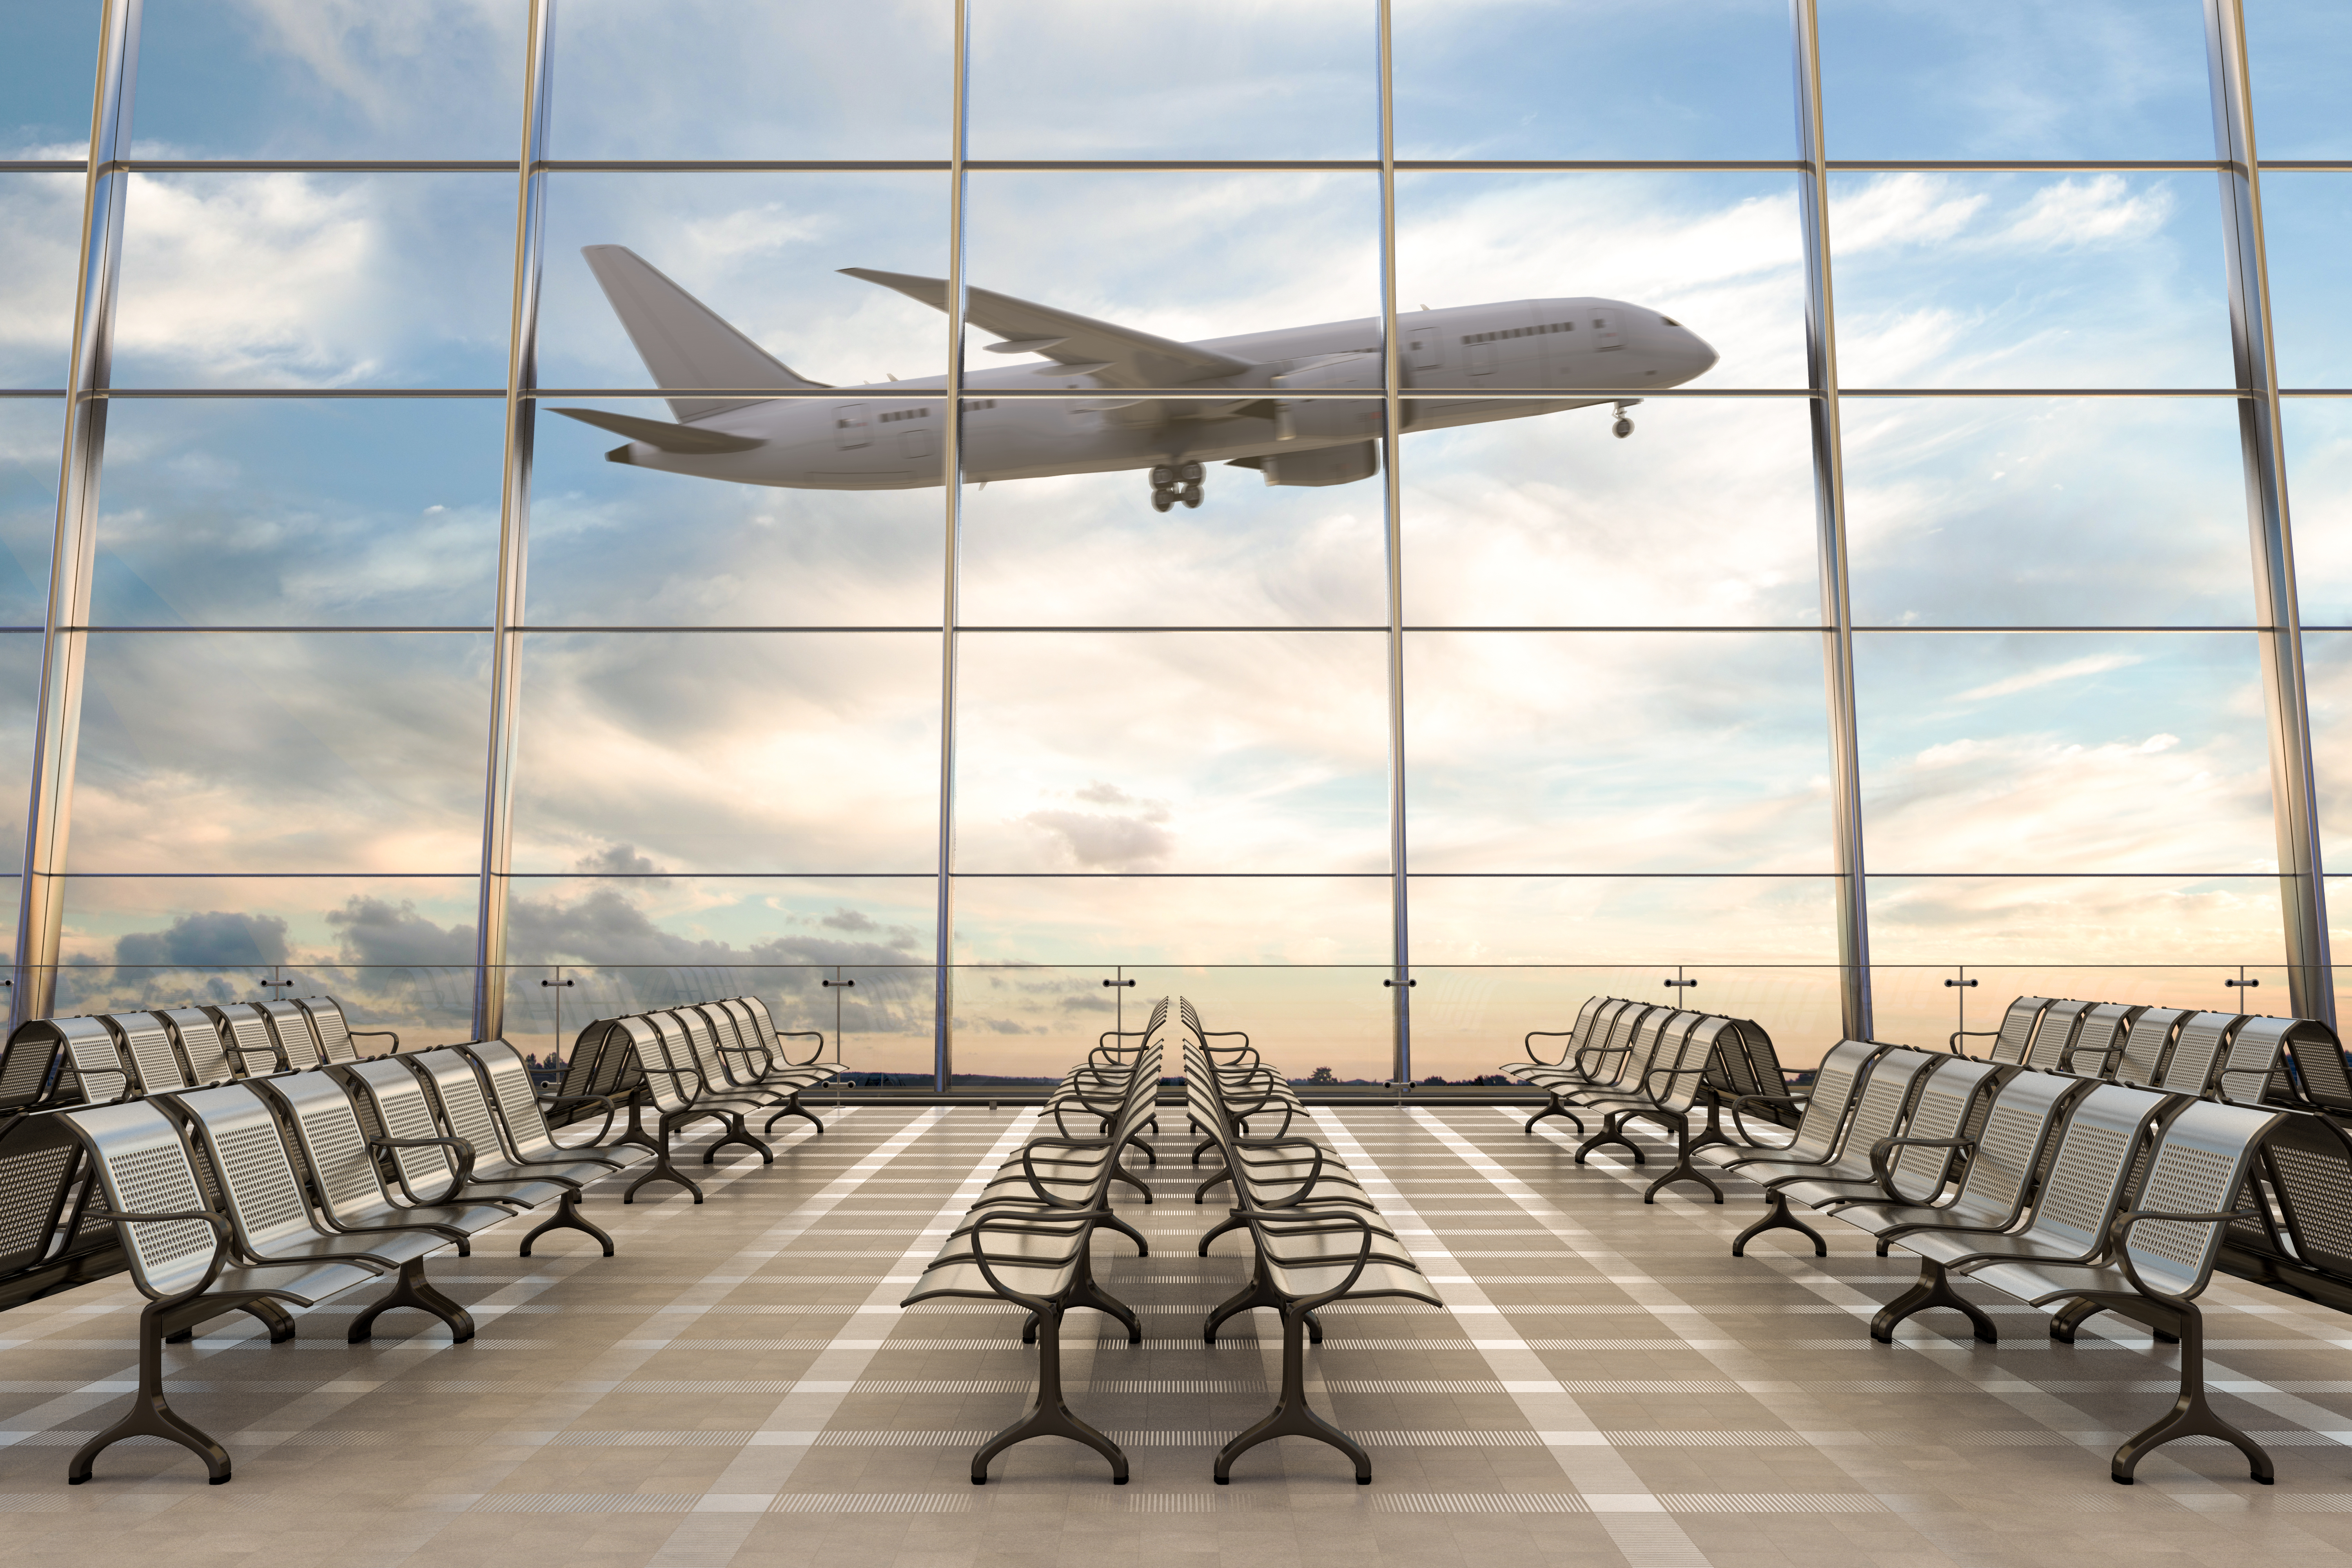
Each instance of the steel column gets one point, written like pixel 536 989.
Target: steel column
pixel 952 477
pixel 1391 439
pixel 2303 891
pixel 1829 500
pixel 40 914
pixel 514 535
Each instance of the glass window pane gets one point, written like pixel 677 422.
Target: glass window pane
pixel 2093 78
pixel 781 751
pixel 2306 229
pixel 2017 511
pixel 2067 281
pixel 617 543
pixel 1579 752
pixel 1174 79
pixel 277 751
pixel 281 511
pixel 715 78
pixel 1705 516
pixel 1696 78
pixel 2062 752
pixel 1268 545
pixel 2318 443
pixel 398 951
pixel 1256 268
pixel 2328 676
pixel 1689 278
pixel 32 434
pixel 20 695
pixel 1173 752
pixel 763 252
pixel 48 76
pixel 316 280
pixel 40 260
pixel 424 79
pixel 2299 55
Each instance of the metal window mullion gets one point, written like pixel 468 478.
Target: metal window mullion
pixel 65 636
pixel 514 535
pixel 1391 440
pixel 2303 892
pixel 952 520
pixel 1829 498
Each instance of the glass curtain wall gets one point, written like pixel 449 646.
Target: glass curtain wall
pixel 1461 507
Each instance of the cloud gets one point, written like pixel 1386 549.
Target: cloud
pixel 1097 841
pixel 378 932
pixel 213 939
pixel 2068 669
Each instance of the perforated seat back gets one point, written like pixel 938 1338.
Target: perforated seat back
pixel 1886 1095
pixel 670 1090
pixel 247 1034
pixel 333 1030
pixel 509 1079
pixel 327 1126
pixel 2102 1030
pixel 200 1042
pixel 2201 1163
pixel 2053 1039
pixel 39 1160
pixel 1582 1029
pixel 2093 1160
pixel 1731 1072
pixel 144 1168
pixel 464 1108
pixel 240 1136
pixel 1697 1038
pixel 2309 1163
pixel 2149 1037
pixel 93 1063
pixel 1941 1111
pixel 727 1032
pixel 2016 1032
pixel 1824 1115
pixel 407 1118
pixel 27 1062
pixel 1649 1048
pixel 146 1039
pixel 700 1043
pixel 1620 1045
pixel 2319 1065
pixel 289 1026
pixel 2251 1071
pixel 2198 1050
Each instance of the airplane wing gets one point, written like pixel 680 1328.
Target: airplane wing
pixel 1114 356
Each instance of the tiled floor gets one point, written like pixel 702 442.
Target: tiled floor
pixel 1607 1384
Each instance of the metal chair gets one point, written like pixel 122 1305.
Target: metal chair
pixel 198 1035
pixel 250 1041
pixel 2146 1044
pixel 466 1113
pixel 347 1182
pixel 2014 1037
pixel 335 1032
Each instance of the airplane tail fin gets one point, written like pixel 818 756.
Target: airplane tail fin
pixel 682 340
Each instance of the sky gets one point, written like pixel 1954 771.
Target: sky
pixel 1615 745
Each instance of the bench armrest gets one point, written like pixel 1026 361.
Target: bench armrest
pixel 1528 1046
pixel 816 1034
pixel 1305 1304
pixel 2120 1227
pixel 222 1235
pixel 1789 1100
pixel 1087 1220
pixel 464 1162
pixel 1953 1045
pixel 1883 1173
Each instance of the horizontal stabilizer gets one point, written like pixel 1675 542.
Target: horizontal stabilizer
pixel 682 438
pixel 683 341
pixel 1022 346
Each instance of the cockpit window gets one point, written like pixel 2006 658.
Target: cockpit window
pixel 1669 320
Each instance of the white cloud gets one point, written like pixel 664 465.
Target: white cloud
pixel 2068 669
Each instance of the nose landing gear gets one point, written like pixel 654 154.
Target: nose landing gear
pixel 1173 482
pixel 1624 427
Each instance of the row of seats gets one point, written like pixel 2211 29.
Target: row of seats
pixel 114 1056
pixel 1316 1234
pixel 2068 1192
pixel 2246 1058
pixel 1027 1238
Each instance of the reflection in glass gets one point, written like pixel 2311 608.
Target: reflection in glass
pixel 398 952
pixel 2318 441
pixel 1705 516
pixel 2299 55
pixel 424 79
pixel 618 543
pixel 1173 752
pixel 2046 512
pixel 715 79
pixel 763 252
pixel 780 752
pixel 1695 277
pixel 2327 679
pixel 2062 752
pixel 47 74
pixel 282 752
pixel 316 280
pixel 1468 1020
pixel 2093 78
pixel 20 690
pixel 253 512
pixel 1174 79
pixel 31 429
pixel 2062 280
pixel 1618 920
pixel 40 258
pixel 1531 752
pixel 1700 79
pixel 2306 227
pixel 2101 923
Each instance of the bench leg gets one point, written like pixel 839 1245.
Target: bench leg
pixel 1202 1190
pixel 1291 1417
pixel 1051 1416
pixel 1249 1297
pixel 413 1290
pixel 1612 1131
pixel 1933 1288
pixel 1205 1145
pixel 2191 1415
pixel 663 1169
pixel 2069 1318
pixel 1132 1180
pixel 794 1108
pixel 1682 1170
pixel 274 1317
pixel 150 1414
pixel 1557 1108
pixel 1713 1133
pixel 568 1217
pixel 1151 1154
pixel 1777 1217
pixel 738 1134
pixel 1217 1230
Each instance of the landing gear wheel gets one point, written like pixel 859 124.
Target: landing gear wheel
pixel 1622 428
pixel 1190 494
pixel 1190 474
pixel 1162 498
pixel 1164 475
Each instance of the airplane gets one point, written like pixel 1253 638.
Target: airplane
pixel 1278 419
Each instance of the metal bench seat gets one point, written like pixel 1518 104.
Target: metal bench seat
pixel 2001 1159
pixel 463 1101
pixel 347 1185
pixel 1924 1155
pixel 198 1035
pixel 430 1165
pixel 524 1114
pixel 2014 1038
pixel 1839 1083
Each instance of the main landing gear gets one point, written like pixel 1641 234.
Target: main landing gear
pixel 1624 427
pixel 1172 482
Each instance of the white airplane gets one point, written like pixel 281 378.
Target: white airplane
pixel 1278 419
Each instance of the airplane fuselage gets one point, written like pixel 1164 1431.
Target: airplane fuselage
pixel 1607 350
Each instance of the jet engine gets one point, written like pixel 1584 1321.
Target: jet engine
pixel 1300 416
